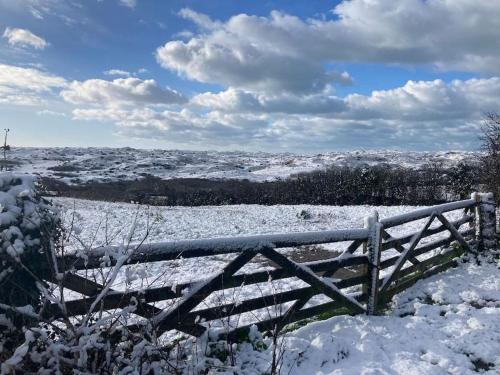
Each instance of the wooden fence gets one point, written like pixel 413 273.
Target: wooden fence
pixel 379 265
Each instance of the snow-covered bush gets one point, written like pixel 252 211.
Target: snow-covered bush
pixel 28 226
pixel 304 215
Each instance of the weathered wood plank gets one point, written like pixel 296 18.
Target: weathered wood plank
pixel 306 274
pixel 454 232
pixel 425 248
pixel 394 242
pixel 430 262
pixel 404 256
pixel 398 246
pixel 236 308
pixel 117 299
pixel 266 325
pixel 88 287
pixel 351 248
pixel 425 212
pixel 373 249
pixel 174 316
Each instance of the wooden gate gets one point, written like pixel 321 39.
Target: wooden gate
pixel 378 264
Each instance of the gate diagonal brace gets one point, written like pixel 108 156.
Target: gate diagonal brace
pixel 173 317
pixel 306 274
pixel 404 255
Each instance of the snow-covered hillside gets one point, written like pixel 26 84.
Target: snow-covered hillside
pixel 110 164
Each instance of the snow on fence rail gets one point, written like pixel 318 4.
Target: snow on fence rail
pixel 153 252
pixel 374 266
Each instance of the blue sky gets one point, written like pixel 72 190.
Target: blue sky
pixel 308 76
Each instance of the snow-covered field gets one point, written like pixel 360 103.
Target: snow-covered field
pixel 99 223
pixel 76 165
pixel 448 324
pixel 178 223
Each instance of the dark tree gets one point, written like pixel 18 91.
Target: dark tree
pixel 461 180
pixel 490 162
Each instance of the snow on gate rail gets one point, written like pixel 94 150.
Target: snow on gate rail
pixel 379 265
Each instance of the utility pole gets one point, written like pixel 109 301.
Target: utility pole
pixel 5 148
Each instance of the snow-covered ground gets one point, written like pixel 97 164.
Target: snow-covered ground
pixel 109 223
pixel 100 223
pixel 76 165
pixel 446 324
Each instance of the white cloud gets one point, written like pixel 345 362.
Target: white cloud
pixel 422 100
pixel 129 3
pixel 124 73
pixel 120 92
pixel 24 38
pixel 184 34
pixel 117 72
pixel 282 53
pixel 233 101
pixel 28 78
pixel 26 86
pixel 202 20
pixel 418 115
pixel 48 112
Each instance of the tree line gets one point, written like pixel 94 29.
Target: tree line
pixel 377 185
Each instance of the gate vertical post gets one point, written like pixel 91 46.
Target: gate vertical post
pixel 478 228
pixel 485 220
pixel 373 252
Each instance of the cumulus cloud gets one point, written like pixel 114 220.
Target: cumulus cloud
pixel 416 100
pixel 278 69
pixel 120 92
pixel 26 86
pixel 281 52
pixel 185 127
pixel 234 101
pixel 24 38
pixel 251 53
pixel 418 115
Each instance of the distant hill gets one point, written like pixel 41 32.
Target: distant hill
pixel 79 165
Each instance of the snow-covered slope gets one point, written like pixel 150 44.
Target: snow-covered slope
pixel 108 164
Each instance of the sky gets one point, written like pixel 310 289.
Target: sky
pixel 297 76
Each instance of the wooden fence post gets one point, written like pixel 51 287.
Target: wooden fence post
pixel 485 220
pixel 373 249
